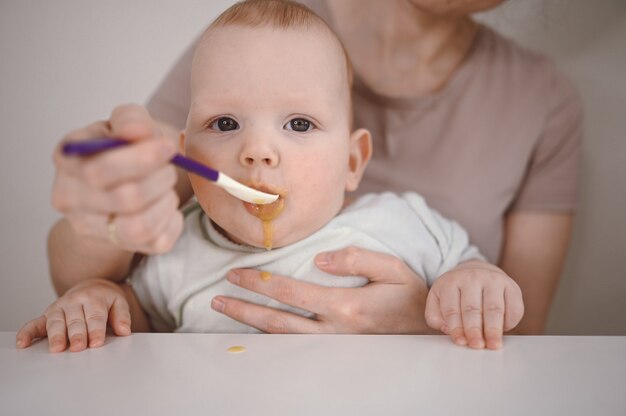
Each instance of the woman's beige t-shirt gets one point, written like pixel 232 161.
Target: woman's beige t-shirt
pixel 503 135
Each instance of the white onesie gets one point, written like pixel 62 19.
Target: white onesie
pixel 176 288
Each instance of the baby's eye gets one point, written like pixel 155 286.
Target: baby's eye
pixel 224 124
pixel 299 124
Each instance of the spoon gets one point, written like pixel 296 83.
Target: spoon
pixel 236 189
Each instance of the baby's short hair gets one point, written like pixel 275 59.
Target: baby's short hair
pixel 282 14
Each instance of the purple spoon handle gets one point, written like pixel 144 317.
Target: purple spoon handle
pixel 198 168
pixel 93 146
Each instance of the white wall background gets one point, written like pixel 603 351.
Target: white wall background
pixel 65 63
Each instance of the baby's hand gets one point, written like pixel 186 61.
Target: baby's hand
pixel 80 316
pixel 474 303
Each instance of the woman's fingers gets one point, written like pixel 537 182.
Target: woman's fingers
pixel 152 230
pixel 345 310
pixel 93 130
pixel 140 231
pixel 296 293
pixel 394 305
pixel 168 237
pixel 131 194
pixel 135 181
pixel 264 318
pixel 122 164
pixel 375 266
pixel 31 331
pixel 131 197
pixel 132 122
pixel 493 316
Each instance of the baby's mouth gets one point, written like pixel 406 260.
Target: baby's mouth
pixel 266 212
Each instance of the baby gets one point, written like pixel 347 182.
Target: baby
pixel 271 107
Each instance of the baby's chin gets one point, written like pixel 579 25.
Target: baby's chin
pixel 266 237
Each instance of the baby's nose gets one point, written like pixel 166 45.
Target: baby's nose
pixel 258 152
pixel 250 161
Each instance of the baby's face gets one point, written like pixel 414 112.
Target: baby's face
pixel 270 108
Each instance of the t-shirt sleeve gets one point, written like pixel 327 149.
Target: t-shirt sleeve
pixel 552 178
pixel 170 102
pixel 146 284
pixel 451 239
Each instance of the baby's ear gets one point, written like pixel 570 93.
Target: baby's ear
pixel 360 155
pixel 181 142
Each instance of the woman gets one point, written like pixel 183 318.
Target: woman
pixel 488 132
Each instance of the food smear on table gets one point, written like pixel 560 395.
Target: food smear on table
pixel 236 349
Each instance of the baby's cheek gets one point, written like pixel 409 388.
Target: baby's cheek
pixel 202 190
pixel 214 201
pixel 320 204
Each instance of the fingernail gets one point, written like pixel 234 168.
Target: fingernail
pixel 477 343
pixel 233 277
pixel 217 304
pixel 125 329
pixel 461 341
pixel 20 343
pixel 496 345
pixel 93 343
pixel 76 344
pixel 324 259
pixel 56 346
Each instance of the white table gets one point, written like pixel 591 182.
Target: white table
pixel 193 374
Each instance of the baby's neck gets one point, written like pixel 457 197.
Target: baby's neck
pixel 227 235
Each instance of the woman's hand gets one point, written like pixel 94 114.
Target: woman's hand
pixel 80 316
pixel 474 303
pixel 124 196
pixel 393 302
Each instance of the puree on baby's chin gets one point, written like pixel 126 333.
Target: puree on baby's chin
pixel 267 213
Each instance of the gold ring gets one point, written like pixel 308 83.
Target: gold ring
pixel 112 230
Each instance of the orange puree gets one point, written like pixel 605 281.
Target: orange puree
pixel 267 213
pixel 265 276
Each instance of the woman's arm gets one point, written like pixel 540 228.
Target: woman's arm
pixel 74 258
pixel 135 188
pixel 534 250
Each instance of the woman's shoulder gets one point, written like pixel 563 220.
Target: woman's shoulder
pixel 495 45
pixel 505 57
pixel 509 69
